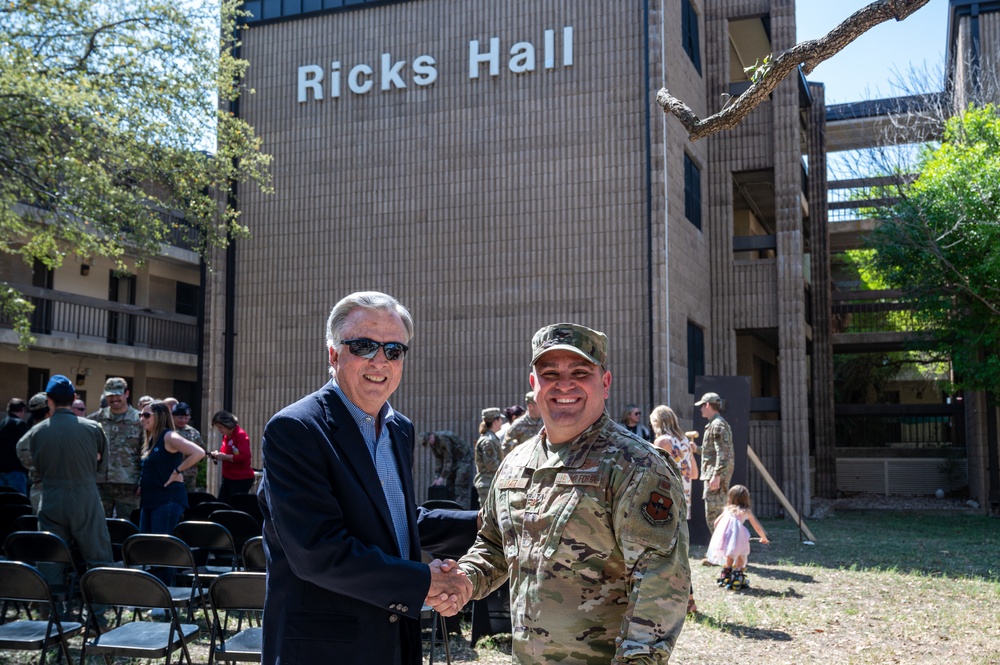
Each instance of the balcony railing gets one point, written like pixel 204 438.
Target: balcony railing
pixel 863 198
pixel 910 426
pixel 873 311
pixel 72 316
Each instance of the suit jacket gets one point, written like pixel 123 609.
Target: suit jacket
pixel 337 591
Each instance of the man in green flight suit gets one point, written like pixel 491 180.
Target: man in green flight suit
pixel 587 519
pixel 66 451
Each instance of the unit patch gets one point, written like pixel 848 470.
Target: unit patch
pixel 657 509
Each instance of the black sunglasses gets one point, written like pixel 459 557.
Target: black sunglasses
pixel 145 415
pixel 367 348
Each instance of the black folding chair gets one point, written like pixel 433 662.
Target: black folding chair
pixel 241 526
pixel 120 529
pixel 240 591
pixel 253 555
pixel 194 498
pixel 212 545
pixel 448 504
pixel 161 550
pixel 26 523
pixel 21 583
pixel 14 499
pixel 201 512
pixel 9 515
pixel 248 504
pixel 123 588
pixel 37 547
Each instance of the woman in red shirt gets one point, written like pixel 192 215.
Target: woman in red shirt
pixel 237 474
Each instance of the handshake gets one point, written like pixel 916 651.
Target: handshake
pixel 450 588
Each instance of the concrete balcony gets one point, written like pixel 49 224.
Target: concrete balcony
pixel 69 322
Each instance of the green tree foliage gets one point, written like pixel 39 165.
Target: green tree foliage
pixel 941 246
pixel 113 112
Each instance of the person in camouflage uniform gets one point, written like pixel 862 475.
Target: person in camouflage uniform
pixel 119 483
pixel 524 427
pixel 487 451
pixel 587 520
pixel 181 414
pixel 453 464
pixel 716 457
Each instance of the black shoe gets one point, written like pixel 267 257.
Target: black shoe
pixel 725 577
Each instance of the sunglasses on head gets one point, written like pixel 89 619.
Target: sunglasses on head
pixel 367 348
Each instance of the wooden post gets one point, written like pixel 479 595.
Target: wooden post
pixel 752 456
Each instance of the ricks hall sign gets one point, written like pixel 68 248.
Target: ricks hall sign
pixel 313 83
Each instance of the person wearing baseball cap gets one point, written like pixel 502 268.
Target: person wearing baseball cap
pixel 524 427
pixel 119 483
pixel 584 515
pixel 487 452
pixel 66 452
pixel 182 425
pixel 716 457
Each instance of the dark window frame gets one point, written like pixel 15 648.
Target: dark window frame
pixel 692 191
pixel 690 38
pixel 695 353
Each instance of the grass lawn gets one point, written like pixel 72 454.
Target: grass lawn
pixel 878 587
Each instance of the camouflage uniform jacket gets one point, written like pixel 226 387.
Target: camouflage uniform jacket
pixel 487 459
pixel 594 539
pixel 717 451
pixel 191 473
pixel 125 436
pixel 520 431
pixel 450 451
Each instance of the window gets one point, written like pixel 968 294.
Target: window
pixel 689 33
pixel 696 354
pixel 692 191
pixel 187 299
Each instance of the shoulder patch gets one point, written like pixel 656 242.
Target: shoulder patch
pixel 657 509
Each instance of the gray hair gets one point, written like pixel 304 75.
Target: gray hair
pixel 370 300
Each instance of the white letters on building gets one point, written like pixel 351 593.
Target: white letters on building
pixel 524 58
pixel 423 70
pixel 492 56
pixel 354 83
pixel 361 77
pixel 390 72
pixel 310 78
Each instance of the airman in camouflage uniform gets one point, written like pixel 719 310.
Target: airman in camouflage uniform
pixel 181 414
pixel 487 451
pixel 524 427
pixel 587 519
pixel 716 457
pixel 121 423
pixel 453 464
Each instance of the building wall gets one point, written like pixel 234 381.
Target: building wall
pixel 490 206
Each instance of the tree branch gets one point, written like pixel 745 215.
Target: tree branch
pixel 808 54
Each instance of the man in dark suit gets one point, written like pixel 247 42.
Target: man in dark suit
pixel 345 582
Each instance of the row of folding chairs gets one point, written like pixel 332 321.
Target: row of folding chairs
pixel 134 639
pixel 141 637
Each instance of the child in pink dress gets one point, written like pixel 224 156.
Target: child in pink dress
pixel 730 544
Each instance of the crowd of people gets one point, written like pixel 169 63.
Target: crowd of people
pixel 119 461
pixel 576 510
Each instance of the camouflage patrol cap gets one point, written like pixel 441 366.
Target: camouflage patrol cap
pixel 709 398
pixel 38 401
pixel 529 397
pixel 115 386
pixel 492 413
pixel 583 341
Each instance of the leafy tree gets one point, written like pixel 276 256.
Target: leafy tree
pixel 941 246
pixel 112 113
